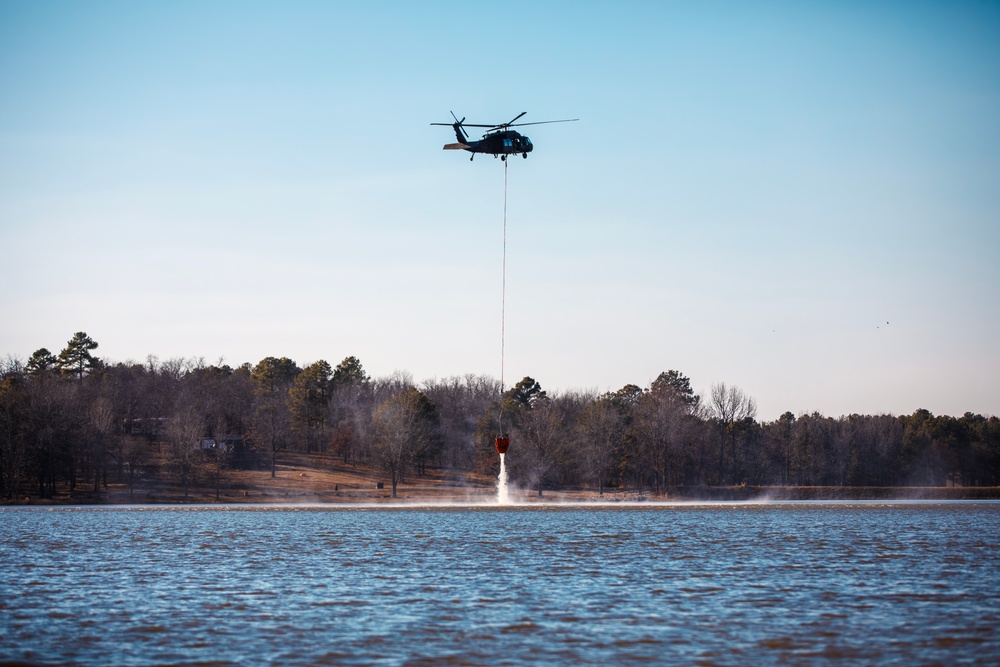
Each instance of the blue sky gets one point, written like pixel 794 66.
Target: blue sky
pixel 800 199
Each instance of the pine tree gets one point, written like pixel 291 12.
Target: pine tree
pixel 41 361
pixel 76 358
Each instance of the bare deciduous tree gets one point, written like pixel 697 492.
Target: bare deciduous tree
pixel 539 433
pixel 600 426
pixel 403 424
pixel 730 407
pixel 184 433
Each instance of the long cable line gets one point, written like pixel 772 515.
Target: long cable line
pixel 503 280
pixel 503 294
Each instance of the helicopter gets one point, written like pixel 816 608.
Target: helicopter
pixel 498 140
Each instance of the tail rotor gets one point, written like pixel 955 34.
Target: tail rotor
pixel 458 124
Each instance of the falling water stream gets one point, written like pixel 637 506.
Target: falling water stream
pixel 503 498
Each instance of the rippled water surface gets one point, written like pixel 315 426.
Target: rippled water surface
pixel 906 583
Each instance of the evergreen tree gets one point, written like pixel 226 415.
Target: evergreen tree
pixel 76 358
pixel 272 374
pixel 41 361
pixel 349 372
pixel 677 382
pixel 309 401
pixel 525 393
pixel 272 378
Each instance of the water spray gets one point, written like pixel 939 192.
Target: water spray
pixel 502 443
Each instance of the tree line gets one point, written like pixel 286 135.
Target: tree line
pixel 74 420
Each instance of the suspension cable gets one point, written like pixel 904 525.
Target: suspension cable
pixel 503 293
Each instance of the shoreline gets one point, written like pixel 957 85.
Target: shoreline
pixel 484 496
pixel 324 480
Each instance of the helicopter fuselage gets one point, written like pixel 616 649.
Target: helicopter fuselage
pixel 499 139
pixel 499 142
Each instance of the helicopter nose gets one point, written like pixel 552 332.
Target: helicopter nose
pixel 527 145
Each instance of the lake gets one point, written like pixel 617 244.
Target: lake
pixel 902 583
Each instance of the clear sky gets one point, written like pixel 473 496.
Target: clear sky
pixel 799 199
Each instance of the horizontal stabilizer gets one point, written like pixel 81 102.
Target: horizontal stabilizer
pixel 455 147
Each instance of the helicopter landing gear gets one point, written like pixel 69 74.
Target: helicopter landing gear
pixel 524 155
pixel 503 158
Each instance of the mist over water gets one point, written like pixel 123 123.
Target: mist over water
pixel 788 583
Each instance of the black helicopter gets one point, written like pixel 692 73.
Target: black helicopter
pixel 498 140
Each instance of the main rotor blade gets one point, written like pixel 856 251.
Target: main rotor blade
pixel 513 119
pixel 463 124
pixel 545 122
